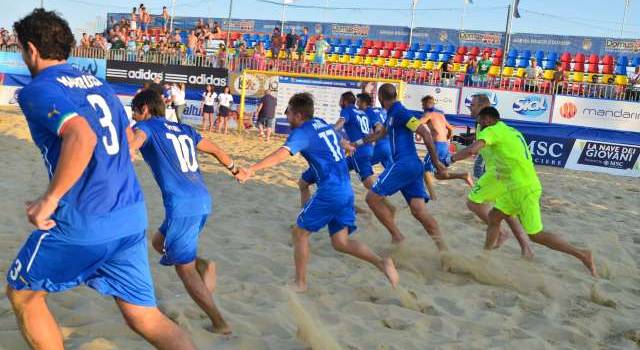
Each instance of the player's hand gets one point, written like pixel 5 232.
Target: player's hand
pixel 243 175
pixel 39 212
pixel 441 168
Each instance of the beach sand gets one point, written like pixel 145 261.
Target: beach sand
pixel 498 302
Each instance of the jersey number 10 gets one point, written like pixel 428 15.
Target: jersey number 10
pixel 185 151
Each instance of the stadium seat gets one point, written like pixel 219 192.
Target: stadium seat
pixel 474 52
pixel 520 72
pixel 402 46
pixel 429 65
pixel 636 61
pixel 494 71
pixel 397 54
pixel 450 50
pixel 385 53
pixel 246 37
pixel 345 59
pixel 511 62
pixel 355 50
pixel 332 57
pixel 255 37
pixel 550 61
pixel 594 64
pixel 363 51
pixel 422 56
pixel 497 61
pixel 461 51
pixel 621 66
pixel 358 42
pixel 391 62
pixel 357 60
pixel 458 58
pixel 379 61
pixel 425 48
pixel 415 47
pixel 405 63
pixel 507 72
pixel 375 52
pixel 513 53
pixel 368 43
pixel 607 60
pixel 378 45
pixel 433 56
pixel 346 42
pixel 410 55
pixel 417 64
pixel 499 53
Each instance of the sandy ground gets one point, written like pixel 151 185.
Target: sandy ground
pixel 502 302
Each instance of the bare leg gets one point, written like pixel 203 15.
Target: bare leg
pixel 226 125
pixel 482 212
pixel 261 130
pixel 301 257
pixel 305 192
pixel 554 242
pixel 38 326
pixel 419 211
pixel 428 181
pixel 368 184
pixel 384 215
pixel 342 243
pixel 268 134
pixel 199 292
pixel 466 177
pixel 520 235
pixel 155 327
pixel 208 273
pixel 493 231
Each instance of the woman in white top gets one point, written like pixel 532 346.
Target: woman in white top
pixel 225 99
pixel 208 108
pixel 179 102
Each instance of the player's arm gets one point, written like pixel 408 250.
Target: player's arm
pixel 379 131
pixel 78 144
pixel 339 124
pixel 423 131
pixel 258 109
pixel 426 117
pixel 211 148
pixel 138 138
pixel 469 151
pixel 449 130
pixel 275 158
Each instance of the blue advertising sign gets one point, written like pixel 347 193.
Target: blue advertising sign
pixel 551 151
pixel 609 155
pixel 11 63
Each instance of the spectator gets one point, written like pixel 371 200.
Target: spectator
pixel 222 56
pixel 192 41
pixel 259 56
pixel 179 100
pixel 216 28
pixel 85 42
pixel 472 68
pixel 165 19
pixel 134 19
pixel 145 19
pixel 483 67
pixel 301 46
pixel 290 43
pixel 634 82
pixel 533 75
pixel 266 113
pixel 208 108
pixel 224 99
pixel 321 48
pixel 276 43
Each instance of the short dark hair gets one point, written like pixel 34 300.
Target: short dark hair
pixel 387 92
pixel 348 97
pixel 302 103
pixel 489 112
pixel 366 98
pixel 48 32
pixel 151 99
pixel 482 99
pixel 427 98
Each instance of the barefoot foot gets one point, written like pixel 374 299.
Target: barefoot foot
pixel 469 180
pixel 390 271
pixel 587 260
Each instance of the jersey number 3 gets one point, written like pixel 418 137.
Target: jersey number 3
pixel 111 144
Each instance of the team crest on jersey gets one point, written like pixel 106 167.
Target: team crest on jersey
pixel 53 112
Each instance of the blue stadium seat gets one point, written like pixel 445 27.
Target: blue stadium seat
pixel 550 61
pixel 415 47
pixel 251 43
pixel 422 56
pixel 539 55
pixel 266 37
pixel 621 65
pixel 358 43
pixel 255 37
pixel 513 53
pixel 246 37
pixel 410 55
pixel 450 50
pixel 354 49
pixel 438 48
pixel 511 62
pixel 444 57
pixel 523 59
pixel 341 50
pixel 425 48
pixel 346 42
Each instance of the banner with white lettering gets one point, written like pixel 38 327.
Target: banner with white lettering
pixel 603 157
pixel 446 98
pixel 139 73
pixel 551 151
pixel 512 105
pixel 597 113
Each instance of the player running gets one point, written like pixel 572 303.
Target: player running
pixel 442 133
pixel 92 218
pixel 405 175
pixel 377 117
pixel 332 204
pixel 522 189
pixel 170 151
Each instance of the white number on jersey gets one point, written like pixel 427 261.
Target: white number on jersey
pixel 185 151
pixel 111 144
pixel 364 123
pixel 330 138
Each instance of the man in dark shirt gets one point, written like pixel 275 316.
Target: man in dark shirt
pixel 290 43
pixel 267 114
pixel 301 46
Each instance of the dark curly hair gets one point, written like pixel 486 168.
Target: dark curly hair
pixel 48 32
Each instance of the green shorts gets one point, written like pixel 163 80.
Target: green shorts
pixel 486 190
pixel 524 203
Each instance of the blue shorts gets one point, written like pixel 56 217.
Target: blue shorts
pixel 328 208
pixel 361 164
pixel 442 148
pixel 119 268
pixel 181 239
pixel 404 175
pixel 382 157
pixel 143 26
pixel 309 176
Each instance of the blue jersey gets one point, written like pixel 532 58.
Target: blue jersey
pixel 399 119
pixel 320 146
pixel 106 202
pixel 378 116
pixel 356 125
pixel 170 150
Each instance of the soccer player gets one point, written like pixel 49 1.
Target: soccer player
pixel 486 189
pixel 377 117
pixel 405 175
pixel 332 204
pixel 442 133
pixel 91 219
pixel 522 189
pixel 170 151
pixel 356 125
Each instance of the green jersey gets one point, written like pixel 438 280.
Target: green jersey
pixel 483 67
pixel 510 156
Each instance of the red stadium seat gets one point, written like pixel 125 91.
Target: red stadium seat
pixel 607 60
pixel 384 53
pixel 402 46
pixel 459 58
pixel 363 51
pixel 462 50
pixel 368 43
pixel 389 45
pixel 499 53
pixel 475 51
pixel 593 59
pixel 593 66
pixel 378 45
pixel 375 52
pixel 566 57
pixel 496 61
pixel 398 53
pixel 607 69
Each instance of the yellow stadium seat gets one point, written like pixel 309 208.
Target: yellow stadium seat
pixel 494 71
pixel 333 58
pixel 587 78
pixel 282 55
pixel 578 76
pixel 356 60
pixel 429 65
pixel 368 60
pixel 622 80
pixel 520 73
pixel 507 72
pixel 392 62
pixel 417 64
pixel 456 67
pixel 463 68
pixel 269 54
pixel 345 59
pixel 548 74
pixel 380 61
pixel 405 63
pixel 606 78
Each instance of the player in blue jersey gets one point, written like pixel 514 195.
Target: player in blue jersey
pixel 332 204
pixel 377 117
pixel 405 175
pixel 170 151
pixel 91 219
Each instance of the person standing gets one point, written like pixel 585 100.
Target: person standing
pixel 483 68
pixel 208 108
pixel 276 43
pixel 224 100
pixel 290 43
pixel 165 19
pixel 178 97
pixel 321 46
pixel 301 45
pixel 266 113
pixel 91 221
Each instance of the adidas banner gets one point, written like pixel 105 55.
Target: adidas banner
pixel 140 73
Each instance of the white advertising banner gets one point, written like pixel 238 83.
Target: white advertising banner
pixel 446 98
pixel 604 157
pixel 594 113
pixel 512 105
pixel 8 95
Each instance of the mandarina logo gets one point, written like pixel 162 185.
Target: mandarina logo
pixel 568 110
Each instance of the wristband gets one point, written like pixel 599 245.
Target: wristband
pixel 359 143
pixel 231 166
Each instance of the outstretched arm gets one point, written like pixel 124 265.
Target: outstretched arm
pixel 275 158
pixel 468 152
pixel 339 124
pixel 378 132
pixel 136 140
pixel 211 148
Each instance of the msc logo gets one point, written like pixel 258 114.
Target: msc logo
pixel 530 106
pixel 493 98
pixel 568 110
